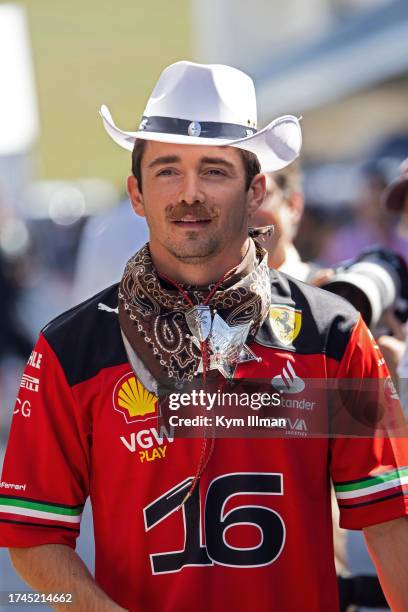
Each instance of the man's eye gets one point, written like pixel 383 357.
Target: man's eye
pixel 165 172
pixel 215 172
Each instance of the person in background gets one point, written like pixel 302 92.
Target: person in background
pixel 283 208
pixel 395 350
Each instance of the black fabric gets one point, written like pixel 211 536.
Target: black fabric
pixel 361 591
pixel 208 129
pixel 87 339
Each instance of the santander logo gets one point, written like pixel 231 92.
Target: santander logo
pixel 288 381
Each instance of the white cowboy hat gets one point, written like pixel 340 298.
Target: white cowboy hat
pixel 211 104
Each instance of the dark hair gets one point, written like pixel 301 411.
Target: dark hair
pixel 251 163
pixel 137 155
pixel 288 180
pixel 252 166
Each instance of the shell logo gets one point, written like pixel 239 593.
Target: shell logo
pixel 133 400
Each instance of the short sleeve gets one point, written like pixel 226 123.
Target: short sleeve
pixel 45 478
pixel 370 474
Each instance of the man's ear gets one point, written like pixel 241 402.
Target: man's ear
pixel 256 193
pixel 135 195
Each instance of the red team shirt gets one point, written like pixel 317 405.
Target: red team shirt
pixel 257 533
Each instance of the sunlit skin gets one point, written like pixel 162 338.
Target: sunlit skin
pixel 275 242
pixel 196 206
pixel 283 214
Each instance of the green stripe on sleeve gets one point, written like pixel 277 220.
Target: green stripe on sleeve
pixel 21 503
pixel 369 482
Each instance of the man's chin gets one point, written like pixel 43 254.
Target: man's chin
pixel 194 258
pixel 194 253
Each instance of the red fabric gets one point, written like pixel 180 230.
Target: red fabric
pixel 77 441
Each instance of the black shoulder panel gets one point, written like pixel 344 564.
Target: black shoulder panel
pixel 326 323
pixel 87 338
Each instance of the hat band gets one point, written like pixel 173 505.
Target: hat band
pixel 203 129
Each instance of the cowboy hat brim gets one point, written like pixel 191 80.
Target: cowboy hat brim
pixel 276 145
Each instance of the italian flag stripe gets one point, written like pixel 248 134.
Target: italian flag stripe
pixel 374 497
pixel 390 484
pixel 372 480
pixel 31 506
pixel 49 516
pixel 382 482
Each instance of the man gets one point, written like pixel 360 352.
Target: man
pixel 283 208
pixel 196 523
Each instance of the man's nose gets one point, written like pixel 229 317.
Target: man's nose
pixel 191 192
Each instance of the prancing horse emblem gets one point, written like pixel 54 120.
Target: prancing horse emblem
pixel 286 322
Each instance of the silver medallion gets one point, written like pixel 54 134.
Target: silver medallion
pixel 199 321
pixel 194 129
pixel 226 340
pixel 228 348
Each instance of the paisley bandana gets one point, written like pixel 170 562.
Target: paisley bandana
pixel 152 313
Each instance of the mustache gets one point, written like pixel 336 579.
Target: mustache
pixel 198 211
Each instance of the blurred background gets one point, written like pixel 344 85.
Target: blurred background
pixel 66 229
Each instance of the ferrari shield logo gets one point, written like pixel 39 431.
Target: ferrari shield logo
pixel 286 323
